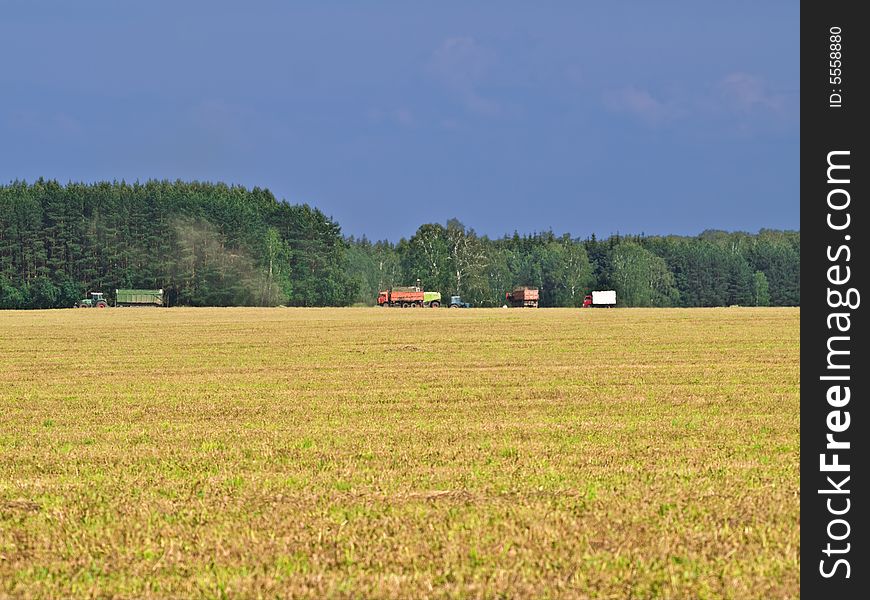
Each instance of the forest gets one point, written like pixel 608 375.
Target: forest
pixel 211 244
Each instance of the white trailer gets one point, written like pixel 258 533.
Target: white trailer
pixel 600 298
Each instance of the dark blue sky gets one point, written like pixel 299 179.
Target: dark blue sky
pixel 655 117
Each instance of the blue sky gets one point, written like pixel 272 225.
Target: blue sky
pixel 585 117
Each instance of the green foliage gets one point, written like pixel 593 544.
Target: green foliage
pixel 713 269
pixel 204 244
pixel 762 290
pixel 40 293
pixel 211 244
pixel 426 256
pixel 277 285
pixel 777 255
pixel 10 296
pixel 372 267
pixel 641 278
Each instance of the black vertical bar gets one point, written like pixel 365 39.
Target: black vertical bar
pixel 834 226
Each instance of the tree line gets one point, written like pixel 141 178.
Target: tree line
pixel 205 244
pixel 715 268
pixel 210 244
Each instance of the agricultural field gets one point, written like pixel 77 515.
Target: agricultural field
pixel 241 452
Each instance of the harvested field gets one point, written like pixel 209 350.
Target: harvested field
pixel 245 452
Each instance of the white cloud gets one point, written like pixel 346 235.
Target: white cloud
pixel 461 65
pixel 639 103
pixel 747 92
pixel 461 62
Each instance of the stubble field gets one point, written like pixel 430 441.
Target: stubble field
pixel 399 453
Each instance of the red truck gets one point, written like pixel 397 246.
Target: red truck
pixel 522 296
pixel 406 297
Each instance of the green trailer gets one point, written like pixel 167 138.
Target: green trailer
pixel 139 298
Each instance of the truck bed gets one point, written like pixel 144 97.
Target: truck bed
pixel 401 296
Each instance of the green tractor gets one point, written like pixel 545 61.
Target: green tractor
pixel 95 301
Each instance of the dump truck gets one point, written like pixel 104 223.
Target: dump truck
pixel 139 298
pixel 602 298
pixel 522 297
pixel 96 300
pixel 409 297
pixel 456 302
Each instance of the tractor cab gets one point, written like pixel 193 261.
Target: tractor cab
pixel 587 301
pixel 95 301
pixel 456 302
